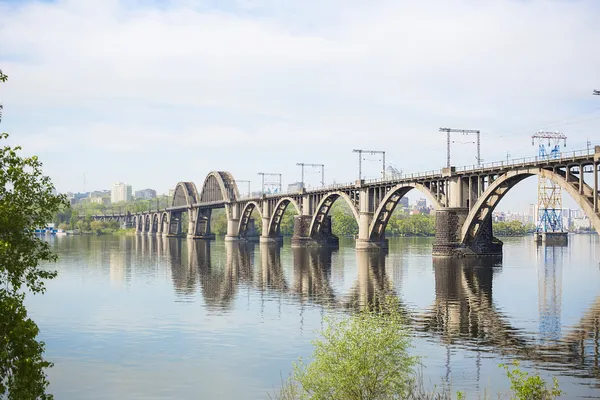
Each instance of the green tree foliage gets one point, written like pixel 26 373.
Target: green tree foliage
pixel 400 223
pixel 411 225
pixel 26 202
pixel 530 387
pixel 512 228
pixel 219 222
pixel 364 356
pixel 343 222
pixel 286 226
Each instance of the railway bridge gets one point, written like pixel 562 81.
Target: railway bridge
pixel 463 197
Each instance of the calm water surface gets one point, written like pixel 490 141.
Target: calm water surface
pixel 157 318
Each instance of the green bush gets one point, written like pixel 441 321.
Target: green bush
pixel 364 356
pixel 530 387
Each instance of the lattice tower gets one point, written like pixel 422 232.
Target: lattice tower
pixel 549 217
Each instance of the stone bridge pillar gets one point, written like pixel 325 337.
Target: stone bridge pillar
pixel 302 235
pixel 449 222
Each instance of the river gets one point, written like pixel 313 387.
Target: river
pixel 162 318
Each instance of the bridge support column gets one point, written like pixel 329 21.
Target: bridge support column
pixel 144 228
pixel 266 213
pixel 166 224
pixel 448 228
pixel 596 185
pixel 174 224
pixel 198 225
pixel 364 241
pixel 159 225
pixel 233 222
pixel 302 238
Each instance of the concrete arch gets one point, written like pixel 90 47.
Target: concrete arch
pixel 155 222
pixel 164 218
pixel 219 186
pixel 324 207
pixel 185 194
pixel 388 204
pixel 488 201
pixel 136 222
pixel 246 213
pixel 280 207
pixel 147 223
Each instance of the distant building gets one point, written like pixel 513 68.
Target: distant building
pixel 120 192
pixel 76 198
pixel 100 200
pixel 422 206
pixel 295 187
pixel 403 202
pixel 145 194
pixel 581 224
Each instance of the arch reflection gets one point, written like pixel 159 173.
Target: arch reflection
pixel 463 306
pixel 183 272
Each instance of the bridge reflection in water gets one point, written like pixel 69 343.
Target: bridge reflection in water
pixel 463 311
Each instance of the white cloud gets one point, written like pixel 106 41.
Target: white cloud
pixel 257 83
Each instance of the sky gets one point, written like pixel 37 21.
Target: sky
pixel 156 92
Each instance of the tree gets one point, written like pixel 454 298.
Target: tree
pixel 26 203
pixel 364 356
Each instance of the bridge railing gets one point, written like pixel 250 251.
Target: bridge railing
pixel 563 156
pixel 411 176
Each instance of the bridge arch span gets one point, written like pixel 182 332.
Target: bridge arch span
pixel 246 214
pixel 324 207
pixel 138 222
pixel 488 201
pixel 219 186
pixel 185 194
pixel 147 224
pixel 164 218
pixel 278 211
pixel 388 204
pixel 155 222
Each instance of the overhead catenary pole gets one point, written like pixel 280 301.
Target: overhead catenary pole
pixel 464 132
pixel 244 181
pixel 322 166
pixel 277 184
pixel 360 152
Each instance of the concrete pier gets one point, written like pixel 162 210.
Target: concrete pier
pixel 551 238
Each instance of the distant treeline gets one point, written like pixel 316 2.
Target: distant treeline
pixel 343 222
